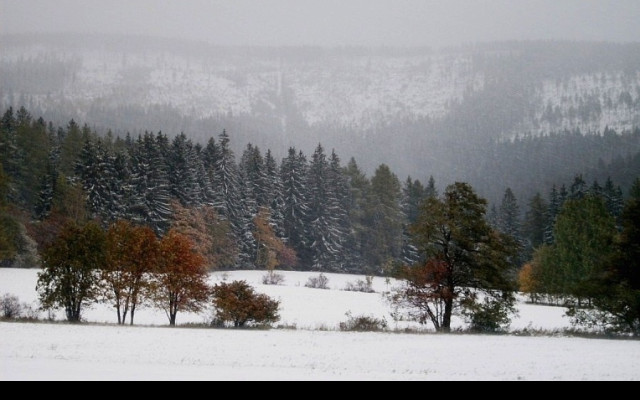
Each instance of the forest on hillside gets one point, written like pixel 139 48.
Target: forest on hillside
pixel 317 212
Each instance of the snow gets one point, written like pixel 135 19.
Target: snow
pixel 156 352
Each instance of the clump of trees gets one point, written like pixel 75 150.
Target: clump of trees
pixel 128 266
pixel 591 265
pixel 466 265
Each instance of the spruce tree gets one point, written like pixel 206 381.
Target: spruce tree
pixel 324 234
pixel 384 219
pixel 229 200
pixel 535 223
pixel 183 166
pixel 151 198
pixel 273 191
pixel 360 189
pixel 293 172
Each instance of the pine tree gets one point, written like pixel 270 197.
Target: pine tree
pixel 48 181
pixel 535 222
pixel 253 172
pixel 414 193
pixel 325 235
pixel 339 209
pixel 226 184
pixel 384 219
pixel 360 188
pixel 11 155
pixel 556 201
pixel 578 188
pixel 509 215
pixel 96 170
pixel 229 200
pixel 431 191
pixel 183 166
pixel 150 200
pixel 613 198
pixel 274 195
pixel 293 172
pixel 71 143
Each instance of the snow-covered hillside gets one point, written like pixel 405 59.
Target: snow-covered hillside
pixel 95 352
pixel 353 88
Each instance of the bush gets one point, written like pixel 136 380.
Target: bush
pixel 318 282
pixel 10 307
pixel 363 323
pixel 237 303
pixel 273 278
pixel 364 286
pixel 487 316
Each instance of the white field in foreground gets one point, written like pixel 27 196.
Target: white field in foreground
pixel 65 352
pixel 91 352
pixel 301 307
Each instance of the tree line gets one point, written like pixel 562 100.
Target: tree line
pixel 316 213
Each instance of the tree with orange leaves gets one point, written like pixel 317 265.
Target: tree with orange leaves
pixel 180 282
pixel 133 252
pixel 272 252
pixel 208 233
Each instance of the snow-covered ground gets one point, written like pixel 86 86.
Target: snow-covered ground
pixel 155 352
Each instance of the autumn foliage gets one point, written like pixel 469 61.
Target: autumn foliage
pixel 180 281
pixel 209 234
pixel 133 252
pixel 237 303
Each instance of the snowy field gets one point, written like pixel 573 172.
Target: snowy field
pixel 155 352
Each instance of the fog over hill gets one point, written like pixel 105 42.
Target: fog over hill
pixel 416 109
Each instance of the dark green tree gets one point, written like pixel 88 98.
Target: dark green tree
pixel 584 233
pixel 468 264
pixel 293 172
pixel 70 278
pixel 535 221
pixel 384 219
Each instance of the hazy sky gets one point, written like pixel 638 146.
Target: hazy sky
pixel 332 22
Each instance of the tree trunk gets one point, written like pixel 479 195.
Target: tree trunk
pixel 446 318
pixel 133 311
pixel 172 319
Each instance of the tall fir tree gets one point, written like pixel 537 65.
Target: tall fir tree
pixel 183 167
pixel 229 200
pixel 325 235
pixel 293 172
pixel 384 219
pixel 151 198
pixel 274 195
pixel 613 198
pixel 360 188
pixel 535 222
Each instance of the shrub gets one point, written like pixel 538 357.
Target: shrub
pixel 363 323
pixel 273 278
pixel 487 316
pixel 10 307
pixel 237 303
pixel 364 286
pixel 318 282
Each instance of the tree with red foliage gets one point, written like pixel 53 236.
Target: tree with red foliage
pixel 133 252
pixel 239 304
pixel 180 279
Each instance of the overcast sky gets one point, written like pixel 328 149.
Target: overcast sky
pixel 333 22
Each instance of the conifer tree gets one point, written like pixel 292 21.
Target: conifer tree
pixel 293 172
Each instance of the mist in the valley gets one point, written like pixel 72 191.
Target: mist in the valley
pixel 458 90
